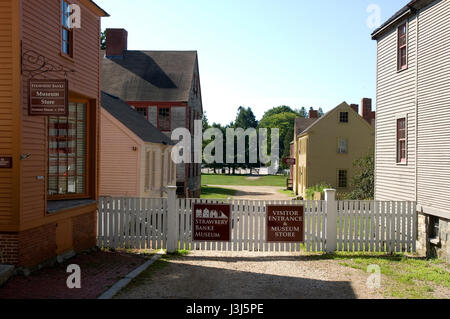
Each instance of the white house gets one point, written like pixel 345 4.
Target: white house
pixel 413 117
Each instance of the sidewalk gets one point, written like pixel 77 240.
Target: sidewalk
pixel 99 271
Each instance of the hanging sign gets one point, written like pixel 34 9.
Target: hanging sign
pixel 48 97
pixel 5 162
pixel 211 222
pixel 289 161
pixel 285 224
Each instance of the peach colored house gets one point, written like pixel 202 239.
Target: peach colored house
pixel 135 157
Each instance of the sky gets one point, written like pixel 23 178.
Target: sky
pixel 263 53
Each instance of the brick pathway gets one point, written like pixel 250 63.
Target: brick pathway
pixel 99 271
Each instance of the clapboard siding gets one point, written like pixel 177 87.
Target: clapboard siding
pixel 428 83
pixel 434 107
pixel 119 164
pixel 9 117
pixel 40 32
pixel 395 96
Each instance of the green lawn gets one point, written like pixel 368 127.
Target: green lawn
pixel 216 192
pixel 277 181
pixel 407 277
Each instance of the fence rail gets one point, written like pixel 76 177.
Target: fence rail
pixel 148 223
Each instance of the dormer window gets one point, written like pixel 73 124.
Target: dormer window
pixel 402 47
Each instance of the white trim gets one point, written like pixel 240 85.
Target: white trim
pixel 433 211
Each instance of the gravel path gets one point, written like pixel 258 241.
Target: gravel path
pixel 256 192
pixel 242 275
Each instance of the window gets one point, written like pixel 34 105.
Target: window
pixel 343 146
pixel 401 140
pixel 164 119
pixel 402 47
pixel 67 152
pixel 66 31
pixel 434 227
pixel 342 179
pixel 143 111
pixel 343 117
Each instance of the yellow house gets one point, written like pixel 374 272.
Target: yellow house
pixel 326 147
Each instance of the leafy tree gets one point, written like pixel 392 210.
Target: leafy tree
pixel 245 118
pixel 103 40
pixel 363 181
pixel 321 112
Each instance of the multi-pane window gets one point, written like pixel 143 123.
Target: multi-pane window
pixel 343 146
pixel 67 152
pixel 343 117
pixel 66 31
pixel 401 140
pixel 143 111
pixel 402 47
pixel 342 179
pixel 164 119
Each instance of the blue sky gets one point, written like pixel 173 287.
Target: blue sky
pixel 262 53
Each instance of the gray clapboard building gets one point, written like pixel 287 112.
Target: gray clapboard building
pixel 163 86
pixel 413 117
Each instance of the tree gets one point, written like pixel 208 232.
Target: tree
pixel 103 40
pixel 321 113
pixel 245 118
pixel 363 181
pixel 283 118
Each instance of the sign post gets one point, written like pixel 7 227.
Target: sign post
pixel 48 97
pixel 211 222
pixel 285 224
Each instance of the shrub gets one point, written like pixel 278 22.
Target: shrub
pixel 316 188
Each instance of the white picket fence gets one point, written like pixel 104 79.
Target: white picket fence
pixel 135 223
pixel 144 223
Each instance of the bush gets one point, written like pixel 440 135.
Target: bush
pixel 316 188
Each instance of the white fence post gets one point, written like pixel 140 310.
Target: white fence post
pixel 331 224
pixel 172 219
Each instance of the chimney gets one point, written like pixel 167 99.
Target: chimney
pixel 313 114
pixel 355 107
pixel 367 113
pixel 116 42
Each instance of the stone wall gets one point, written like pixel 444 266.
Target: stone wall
pixel 439 247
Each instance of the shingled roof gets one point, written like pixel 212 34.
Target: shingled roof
pixel 301 124
pixel 134 121
pixel 162 76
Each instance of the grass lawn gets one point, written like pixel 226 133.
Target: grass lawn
pixel 287 192
pixel 240 180
pixel 216 192
pixel 404 277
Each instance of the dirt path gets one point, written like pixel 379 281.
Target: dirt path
pixel 256 192
pixel 245 275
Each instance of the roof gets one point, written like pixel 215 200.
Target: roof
pixel 316 121
pixel 162 76
pixel 134 121
pixel 100 11
pixel 408 9
pixel 302 123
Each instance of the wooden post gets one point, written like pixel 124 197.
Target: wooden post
pixel 172 219
pixel 331 224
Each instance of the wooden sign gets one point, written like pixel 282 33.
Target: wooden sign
pixel 211 222
pixel 285 224
pixel 48 98
pixel 5 162
pixel 289 161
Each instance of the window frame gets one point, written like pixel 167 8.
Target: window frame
pixel 339 145
pixel 398 140
pixel 339 176
pixel 169 116
pixel 70 32
pixel 401 67
pixel 87 159
pixel 340 117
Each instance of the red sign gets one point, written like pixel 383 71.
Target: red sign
pixel 48 97
pixel 5 162
pixel 211 222
pixel 289 161
pixel 285 224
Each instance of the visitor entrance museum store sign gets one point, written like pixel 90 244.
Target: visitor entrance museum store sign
pixel 212 222
pixel 48 97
